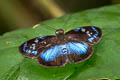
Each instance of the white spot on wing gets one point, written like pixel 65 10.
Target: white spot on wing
pixel 36 40
pixel 82 29
pixel 88 33
pixel 32 47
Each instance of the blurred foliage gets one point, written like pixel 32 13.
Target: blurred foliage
pixel 15 14
pixel 78 5
pixel 116 1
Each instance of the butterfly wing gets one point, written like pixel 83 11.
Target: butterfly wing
pixel 89 34
pixel 79 51
pixel 59 55
pixel 34 47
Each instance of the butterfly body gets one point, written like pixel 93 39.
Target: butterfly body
pixel 53 51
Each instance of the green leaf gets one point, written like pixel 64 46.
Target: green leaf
pixel 105 62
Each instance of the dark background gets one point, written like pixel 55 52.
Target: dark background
pixel 16 14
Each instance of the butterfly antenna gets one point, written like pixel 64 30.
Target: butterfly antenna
pixel 67 20
pixel 68 12
pixel 47 26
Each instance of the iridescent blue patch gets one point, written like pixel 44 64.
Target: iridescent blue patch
pixel 68 48
pixel 29 51
pixel 77 29
pixel 41 37
pixel 94 36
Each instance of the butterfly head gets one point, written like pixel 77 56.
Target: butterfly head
pixel 60 32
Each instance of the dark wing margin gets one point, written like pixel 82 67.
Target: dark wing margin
pixel 82 57
pixel 89 34
pixel 32 48
pixel 59 61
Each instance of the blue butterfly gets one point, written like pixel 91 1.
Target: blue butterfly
pixel 53 51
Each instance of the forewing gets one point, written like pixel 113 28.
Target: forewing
pixel 34 47
pixel 89 34
pixel 60 55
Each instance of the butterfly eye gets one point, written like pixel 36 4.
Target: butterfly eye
pixel 59 31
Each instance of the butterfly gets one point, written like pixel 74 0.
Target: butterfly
pixel 57 50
